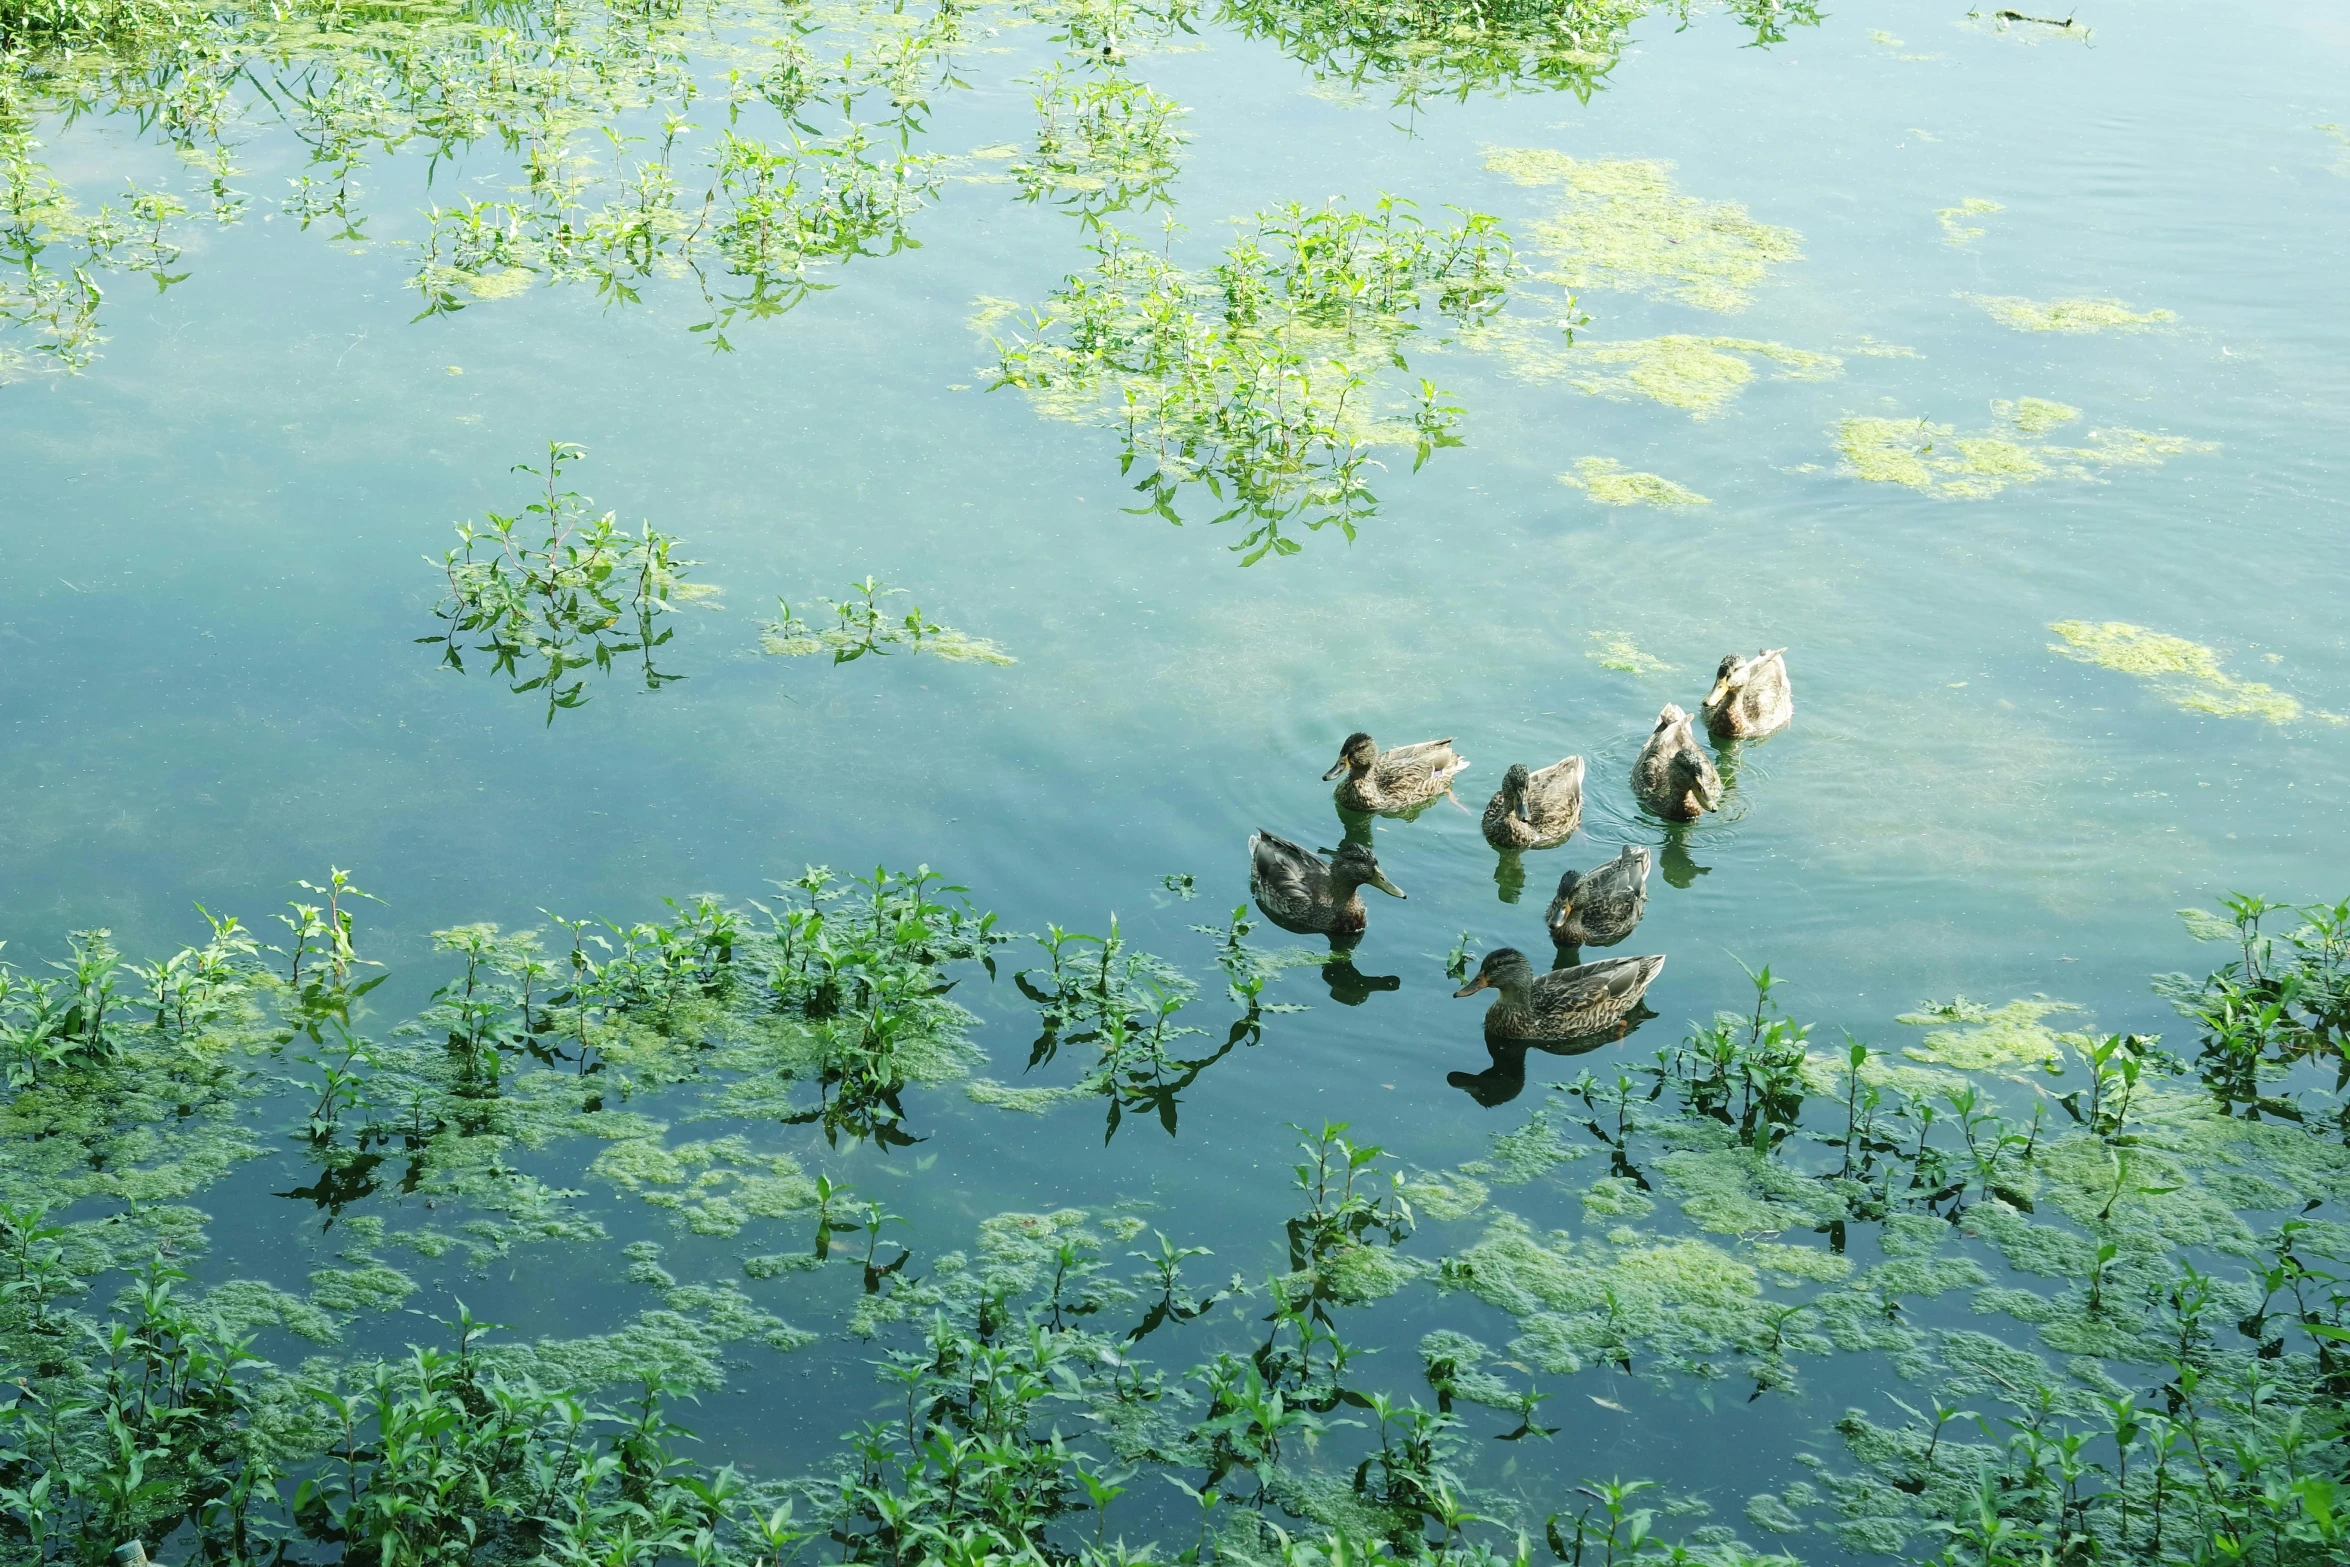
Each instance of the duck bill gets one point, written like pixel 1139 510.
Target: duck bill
pixel 1719 694
pixel 1471 988
pixel 1380 881
pixel 1335 771
pixel 1522 813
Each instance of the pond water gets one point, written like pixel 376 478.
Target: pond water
pixel 219 616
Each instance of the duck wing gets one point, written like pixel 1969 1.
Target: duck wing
pixel 1610 988
pixel 1554 796
pixel 1614 897
pixel 1285 878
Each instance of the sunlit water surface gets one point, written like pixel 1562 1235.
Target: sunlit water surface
pixel 215 541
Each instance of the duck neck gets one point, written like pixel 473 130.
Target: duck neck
pixel 1346 897
pixel 1513 1007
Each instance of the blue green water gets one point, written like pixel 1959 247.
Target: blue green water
pixel 215 535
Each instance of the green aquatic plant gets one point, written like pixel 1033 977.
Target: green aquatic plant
pixel 553 591
pixel 1104 143
pixel 1618 651
pixel 1955 229
pixel 2069 315
pixel 1258 379
pixel 1937 460
pixel 1700 375
pixel 1610 484
pixel 1431 49
pixel 859 627
pixel 2185 674
pixel 1623 224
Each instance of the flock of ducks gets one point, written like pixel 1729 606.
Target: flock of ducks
pixel 1540 808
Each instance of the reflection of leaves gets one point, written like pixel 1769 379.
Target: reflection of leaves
pixel 1439 48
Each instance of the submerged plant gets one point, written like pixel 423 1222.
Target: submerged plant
pixel 860 627
pixel 553 591
pixel 1258 378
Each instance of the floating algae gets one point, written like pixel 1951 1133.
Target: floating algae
pixel 1445 1196
pixel 1987 1038
pixel 1937 460
pixel 1955 230
pixel 1618 651
pixel 1624 225
pixel 2069 315
pixel 1611 484
pixel 2183 673
pixel 1698 374
pixel 1526 1154
pixel 713 1188
pixel 2342 145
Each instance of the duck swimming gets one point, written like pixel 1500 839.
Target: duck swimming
pixel 1568 1003
pixel 1536 810
pixel 1672 776
pixel 1598 908
pixel 1394 780
pixel 1305 894
pixel 1750 697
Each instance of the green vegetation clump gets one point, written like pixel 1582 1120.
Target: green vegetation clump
pixel 1432 50
pixel 1701 375
pixel 1955 229
pixel 553 592
pixel 1611 484
pixel 1103 143
pixel 1936 459
pixel 859 627
pixel 2069 315
pixel 2183 673
pixel 1261 379
pixel 1975 1038
pixel 1618 651
pixel 1623 224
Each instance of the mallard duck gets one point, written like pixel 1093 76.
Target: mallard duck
pixel 1536 810
pixel 1672 776
pixel 1567 1003
pixel 1394 780
pixel 1750 695
pixel 1301 892
pixel 1598 908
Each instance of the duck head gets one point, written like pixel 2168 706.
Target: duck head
pixel 1354 865
pixel 1691 776
pixel 1514 784
pixel 1356 756
pixel 1504 968
pixel 1727 680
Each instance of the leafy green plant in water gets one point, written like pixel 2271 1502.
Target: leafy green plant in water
pixel 1104 143
pixel 1256 379
pixel 860 627
pixel 1439 49
pixel 553 591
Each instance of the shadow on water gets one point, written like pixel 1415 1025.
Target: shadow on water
pixel 1350 986
pixel 1504 1077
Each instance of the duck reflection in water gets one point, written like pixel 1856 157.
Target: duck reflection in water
pixel 1350 986
pixel 1505 1078
pixel 1680 868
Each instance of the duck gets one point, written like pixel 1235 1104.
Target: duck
pixel 1307 895
pixel 1536 810
pixel 1672 776
pixel 1750 697
pixel 1567 1003
pixel 1599 907
pixel 1394 780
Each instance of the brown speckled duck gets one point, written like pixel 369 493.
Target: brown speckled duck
pixel 1673 776
pixel 1394 780
pixel 1568 1003
pixel 1536 810
pixel 1303 893
pixel 1750 697
pixel 1598 908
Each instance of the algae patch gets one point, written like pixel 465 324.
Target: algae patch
pixel 2183 673
pixel 1623 224
pixel 1612 484
pixel 1975 1038
pixel 1955 229
pixel 1619 652
pixel 1938 460
pixel 1698 374
pixel 2069 315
